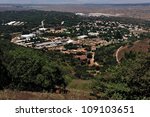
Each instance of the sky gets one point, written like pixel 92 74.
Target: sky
pixel 73 1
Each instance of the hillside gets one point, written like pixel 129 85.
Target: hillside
pixel 128 80
pixel 127 10
pixel 27 73
pixel 32 70
pixel 138 46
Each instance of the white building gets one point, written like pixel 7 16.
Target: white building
pixel 70 41
pixel 93 34
pixel 82 37
pixel 15 23
pixel 45 44
pixel 42 29
pixel 27 36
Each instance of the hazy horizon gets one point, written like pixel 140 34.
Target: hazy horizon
pixel 73 2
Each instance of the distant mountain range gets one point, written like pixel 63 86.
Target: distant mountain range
pixel 141 11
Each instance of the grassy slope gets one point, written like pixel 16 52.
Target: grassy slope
pixel 78 89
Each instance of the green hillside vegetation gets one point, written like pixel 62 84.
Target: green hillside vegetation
pixel 128 80
pixel 105 55
pixel 33 70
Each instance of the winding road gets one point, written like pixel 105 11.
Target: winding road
pixel 117 53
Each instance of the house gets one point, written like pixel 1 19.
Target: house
pixel 70 41
pixel 42 29
pixel 82 37
pixel 93 34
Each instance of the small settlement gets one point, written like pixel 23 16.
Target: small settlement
pixel 80 40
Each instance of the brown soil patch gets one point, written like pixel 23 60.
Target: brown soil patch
pixel 138 46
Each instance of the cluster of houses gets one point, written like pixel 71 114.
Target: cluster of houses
pixel 89 34
pixel 32 40
pixel 58 44
pixel 109 30
pixel 36 41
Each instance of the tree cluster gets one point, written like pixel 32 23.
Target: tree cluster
pixel 28 69
pixel 128 80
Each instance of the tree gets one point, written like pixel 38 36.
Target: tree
pixel 118 35
pixel 70 46
pixel 89 55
